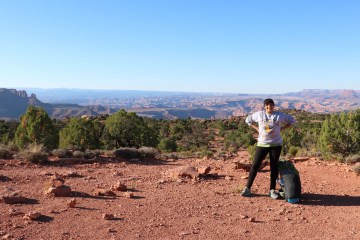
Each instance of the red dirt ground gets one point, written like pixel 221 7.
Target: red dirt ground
pixel 165 208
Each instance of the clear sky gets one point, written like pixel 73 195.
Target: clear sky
pixel 235 46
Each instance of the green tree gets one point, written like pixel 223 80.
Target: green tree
pixel 36 127
pixel 340 134
pixel 126 129
pixel 150 132
pixel 81 132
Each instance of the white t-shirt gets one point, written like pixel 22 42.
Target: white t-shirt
pixel 269 126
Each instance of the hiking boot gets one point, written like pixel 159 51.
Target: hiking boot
pixel 273 194
pixel 246 192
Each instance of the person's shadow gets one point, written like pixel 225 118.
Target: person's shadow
pixel 329 200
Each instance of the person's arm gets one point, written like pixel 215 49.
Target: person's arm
pixel 285 127
pixel 251 121
pixel 255 126
pixel 290 123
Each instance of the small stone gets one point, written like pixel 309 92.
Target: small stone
pixel 251 219
pixel 229 178
pixel 119 186
pixel 108 216
pixel 243 216
pixel 32 215
pixel 117 174
pixel 12 213
pixel 61 191
pixel 104 192
pixel 129 195
pixel 204 170
pixel 7 236
pixel 161 181
pixel 71 203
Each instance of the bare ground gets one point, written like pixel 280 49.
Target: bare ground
pixel 164 208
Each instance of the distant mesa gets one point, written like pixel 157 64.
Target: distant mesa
pixel 14 103
pixel 61 103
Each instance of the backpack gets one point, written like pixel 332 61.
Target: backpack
pixel 289 181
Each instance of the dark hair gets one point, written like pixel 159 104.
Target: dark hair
pixel 268 101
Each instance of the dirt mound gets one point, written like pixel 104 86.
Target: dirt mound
pixel 155 206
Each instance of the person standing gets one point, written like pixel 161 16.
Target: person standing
pixel 268 123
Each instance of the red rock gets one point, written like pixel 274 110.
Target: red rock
pixel 71 203
pixel 241 165
pixel 119 187
pixel 104 192
pixel 62 191
pixel 9 196
pixel 32 215
pixel 108 216
pixel 229 178
pixel 129 194
pixel 204 170
pixel 183 172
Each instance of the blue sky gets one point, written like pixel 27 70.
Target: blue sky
pixel 181 45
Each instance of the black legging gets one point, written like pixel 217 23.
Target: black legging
pixel 260 154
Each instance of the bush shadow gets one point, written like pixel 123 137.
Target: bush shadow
pixel 86 195
pixel 314 199
pixel 44 219
pixel 211 176
pixel 61 162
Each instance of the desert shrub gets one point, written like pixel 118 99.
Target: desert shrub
pixel 108 153
pixel 338 157
pixel 143 152
pixel 167 145
pixel 78 154
pixel 356 169
pixel 11 146
pixel 206 153
pixel 166 156
pixel 61 153
pixel 220 154
pixel 89 154
pixel 72 148
pixel 306 153
pixel 352 159
pixel 127 153
pixel 185 154
pixel 293 151
pixel 33 147
pixel 149 152
pixel 232 149
pixel 5 154
pixel 38 157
